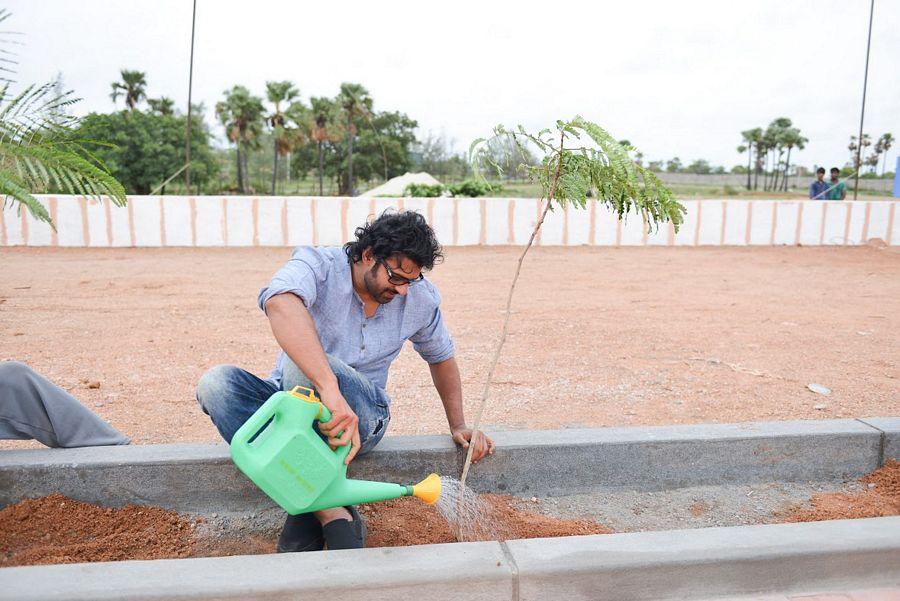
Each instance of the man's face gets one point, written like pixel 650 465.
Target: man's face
pixel 820 175
pixel 376 279
pixel 834 176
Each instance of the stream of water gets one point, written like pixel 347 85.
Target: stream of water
pixel 470 518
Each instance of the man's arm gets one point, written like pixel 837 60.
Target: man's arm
pixel 445 376
pixel 295 332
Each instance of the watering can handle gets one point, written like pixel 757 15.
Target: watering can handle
pixel 256 423
pixel 324 416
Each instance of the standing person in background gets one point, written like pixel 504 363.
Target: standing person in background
pixel 837 190
pixel 818 190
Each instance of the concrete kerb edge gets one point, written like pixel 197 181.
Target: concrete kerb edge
pixel 639 566
pixel 711 562
pixel 889 428
pixel 201 477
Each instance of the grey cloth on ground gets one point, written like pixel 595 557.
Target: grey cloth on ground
pixel 31 406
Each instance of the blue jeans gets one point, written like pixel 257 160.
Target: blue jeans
pixel 230 395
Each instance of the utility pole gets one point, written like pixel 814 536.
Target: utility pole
pixel 187 132
pixel 862 112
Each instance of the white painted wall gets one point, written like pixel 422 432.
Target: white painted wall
pixel 291 221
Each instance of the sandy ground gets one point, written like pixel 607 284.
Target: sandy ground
pixel 599 337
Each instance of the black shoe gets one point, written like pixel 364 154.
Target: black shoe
pixel 346 534
pixel 301 532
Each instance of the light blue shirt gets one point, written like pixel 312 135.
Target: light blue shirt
pixel 321 277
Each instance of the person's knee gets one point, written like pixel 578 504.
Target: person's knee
pixel 14 374
pixel 291 376
pixel 14 370
pixel 213 385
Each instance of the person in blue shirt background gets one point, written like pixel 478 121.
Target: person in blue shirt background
pixel 819 188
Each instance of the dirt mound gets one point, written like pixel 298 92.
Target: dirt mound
pixel 57 529
pixel 406 521
pixel 879 498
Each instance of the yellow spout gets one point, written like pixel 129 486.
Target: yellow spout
pixel 429 489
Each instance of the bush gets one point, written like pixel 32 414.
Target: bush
pixel 474 188
pixel 731 191
pixel 424 190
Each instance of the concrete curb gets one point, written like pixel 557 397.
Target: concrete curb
pixel 691 564
pixel 890 429
pixel 201 477
pixel 711 561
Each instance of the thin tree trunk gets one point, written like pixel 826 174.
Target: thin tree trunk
pixel 247 179
pixel 275 167
pixel 756 171
pixel 749 164
pixel 512 289
pixel 787 167
pixel 321 168
pixel 776 168
pixel 350 154
pixel 240 176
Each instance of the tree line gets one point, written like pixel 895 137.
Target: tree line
pixel 341 139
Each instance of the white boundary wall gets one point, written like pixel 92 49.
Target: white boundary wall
pixel 294 220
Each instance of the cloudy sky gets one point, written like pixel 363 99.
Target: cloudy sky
pixel 675 78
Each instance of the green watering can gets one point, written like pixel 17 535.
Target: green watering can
pixel 278 449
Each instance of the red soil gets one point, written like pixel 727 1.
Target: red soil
pixel 880 500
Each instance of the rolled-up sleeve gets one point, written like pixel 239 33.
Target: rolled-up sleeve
pixel 301 275
pixel 433 341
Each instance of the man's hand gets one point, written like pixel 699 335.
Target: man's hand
pixel 343 427
pixel 483 444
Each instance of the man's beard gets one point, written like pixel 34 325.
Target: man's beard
pixel 381 295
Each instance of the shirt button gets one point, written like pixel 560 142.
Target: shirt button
pixel 364 325
pixel 362 348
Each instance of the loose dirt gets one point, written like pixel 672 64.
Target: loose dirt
pixel 56 529
pixel 610 336
pixel 406 521
pixel 880 497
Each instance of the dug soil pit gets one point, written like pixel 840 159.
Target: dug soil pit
pixel 57 529
pixel 880 497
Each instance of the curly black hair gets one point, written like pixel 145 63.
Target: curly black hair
pixel 397 232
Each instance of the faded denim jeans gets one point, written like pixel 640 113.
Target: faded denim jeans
pixel 230 395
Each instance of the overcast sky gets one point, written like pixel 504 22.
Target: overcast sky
pixel 675 78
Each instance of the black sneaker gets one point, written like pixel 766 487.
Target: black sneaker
pixel 346 534
pixel 301 532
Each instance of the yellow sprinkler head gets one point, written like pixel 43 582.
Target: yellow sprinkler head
pixel 429 489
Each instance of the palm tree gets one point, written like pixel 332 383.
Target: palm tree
pixel 162 105
pixel 133 86
pixel 323 127
pixel 39 149
pixel 241 114
pixel 883 145
pixel 791 138
pixel 278 92
pixel 748 138
pixel 355 100
pixel 853 147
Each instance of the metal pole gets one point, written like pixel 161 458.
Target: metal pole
pixel 187 132
pixel 862 112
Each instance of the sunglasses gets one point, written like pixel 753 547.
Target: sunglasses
pixel 399 280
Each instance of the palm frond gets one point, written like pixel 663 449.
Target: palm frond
pixel 39 151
